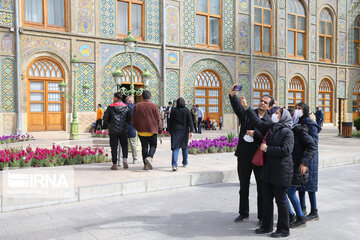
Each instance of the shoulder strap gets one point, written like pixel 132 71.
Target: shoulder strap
pixel 266 136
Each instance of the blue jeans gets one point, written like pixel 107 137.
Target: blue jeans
pixel 199 124
pixel 294 201
pixel 175 155
pixel 312 198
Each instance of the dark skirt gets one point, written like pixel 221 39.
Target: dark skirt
pixel 179 139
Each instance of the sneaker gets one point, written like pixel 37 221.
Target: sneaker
pixel 126 166
pixel 241 218
pixel 119 163
pixel 313 215
pixel 174 168
pixel 114 167
pixel 263 230
pixel 145 167
pixel 184 165
pixel 148 162
pixel 292 218
pixel 300 222
pixel 136 161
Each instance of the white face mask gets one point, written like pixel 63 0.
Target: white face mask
pixel 275 118
pixel 299 113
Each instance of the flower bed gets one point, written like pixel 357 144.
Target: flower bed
pixel 15 138
pixel 100 134
pixel 57 156
pixel 165 134
pixel 216 145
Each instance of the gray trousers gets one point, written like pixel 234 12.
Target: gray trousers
pixel 133 147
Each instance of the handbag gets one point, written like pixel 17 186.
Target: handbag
pixel 300 179
pixel 258 158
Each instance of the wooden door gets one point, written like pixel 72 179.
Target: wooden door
pixel 356 101
pixel 46 107
pixel 325 102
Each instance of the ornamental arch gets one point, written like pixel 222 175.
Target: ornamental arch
pixel 325 99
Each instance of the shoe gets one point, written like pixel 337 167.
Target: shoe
pixel 174 168
pixel 304 210
pixel 313 215
pixel 262 230
pixel 145 167
pixel 279 234
pixel 148 162
pixel 114 167
pixel 184 165
pixel 119 163
pixel 300 222
pixel 260 222
pixel 136 161
pixel 126 166
pixel 241 218
pixel 292 218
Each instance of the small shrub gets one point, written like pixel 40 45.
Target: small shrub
pixel 357 124
pixel 230 136
pixel 356 134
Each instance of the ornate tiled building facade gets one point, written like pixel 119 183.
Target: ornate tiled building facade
pixel 91 33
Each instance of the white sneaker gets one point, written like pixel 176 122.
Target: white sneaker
pixel 136 161
pixel 148 162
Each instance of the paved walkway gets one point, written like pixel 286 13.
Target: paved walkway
pixel 97 180
pixel 202 212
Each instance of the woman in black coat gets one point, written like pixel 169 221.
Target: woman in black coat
pixel 304 151
pixel 277 171
pixel 181 127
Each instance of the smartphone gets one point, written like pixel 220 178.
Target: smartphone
pixel 238 88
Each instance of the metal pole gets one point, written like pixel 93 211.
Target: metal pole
pixel 339 122
pixel 251 52
pixel 131 77
pixel 74 132
pixel 17 60
pixel 164 51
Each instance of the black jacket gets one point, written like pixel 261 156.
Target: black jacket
pixel 278 164
pixel 117 116
pixel 180 125
pixel 304 151
pixel 246 150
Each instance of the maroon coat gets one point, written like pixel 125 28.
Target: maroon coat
pixel 146 117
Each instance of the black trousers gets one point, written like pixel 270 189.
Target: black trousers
pixel 114 140
pixel 98 123
pixel 270 192
pixel 244 169
pixel 148 146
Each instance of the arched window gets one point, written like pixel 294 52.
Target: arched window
pixel 262 27
pixel 208 94
pixel 357 40
pixel 262 86
pixel 137 74
pixel 325 36
pixel 356 100
pixel 325 99
pixel 296 92
pixel 296 29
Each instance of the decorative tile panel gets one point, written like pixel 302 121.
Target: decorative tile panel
pixel 189 23
pixel 7 43
pixel 32 44
pixel 313 20
pixel 313 72
pixel 282 69
pixel 172 85
pixel 342 25
pixel 244 6
pixel 244 66
pixel 220 69
pixel 243 34
pixel 313 38
pixel 326 71
pixel 342 8
pixel 269 66
pixel 107 18
pixel 342 48
pixel 298 68
pixel 353 79
pixel 313 56
pixel 152 15
pixel 173 59
pixel 313 7
pixel 228 25
pixel 8 97
pixel 282 92
pixel 85 50
pixel 341 89
pixel 121 60
pixel 282 4
pixel 244 80
pixel 7 19
pixel 282 13
pixel 172 25
pixel 86 75
pixel 6 5
pixel 341 75
pixel 313 95
pixel 282 33
pixel 282 52
pixel 85 16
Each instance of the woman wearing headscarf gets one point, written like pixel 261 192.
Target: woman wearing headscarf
pixel 302 111
pixel 304 151
pixel 277 170
pixel 181 127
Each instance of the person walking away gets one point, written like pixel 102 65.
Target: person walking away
pixel 168 114
pixel 194 117
pixel 147 122
pixel 302 110
pixel 304 151
pixel 319 116
pixel 249 141
pixel 129 101
pixel 181 127
pixel 99 117
pixel 220 122
pixel 200 117
pixel 277 170
pixel 117 116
